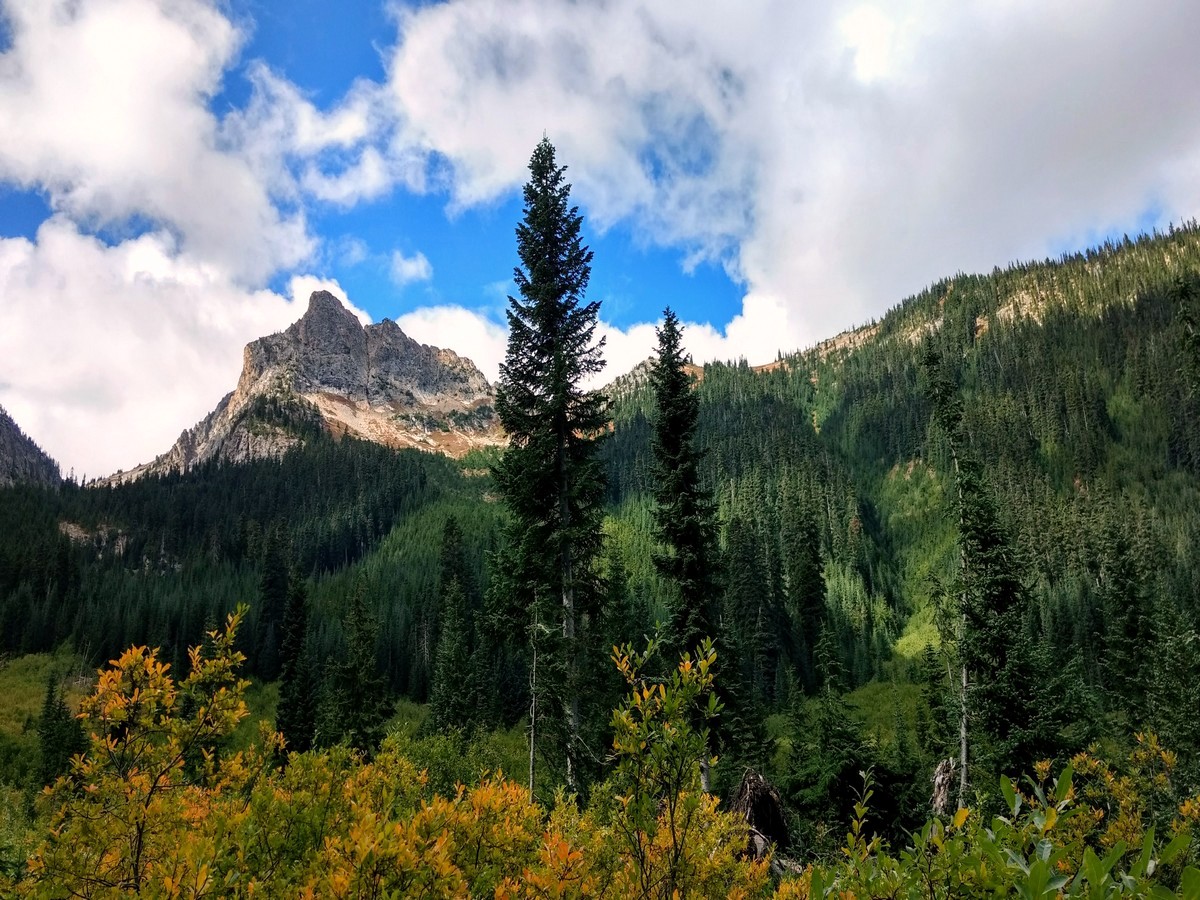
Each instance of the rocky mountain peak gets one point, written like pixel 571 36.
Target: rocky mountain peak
pixel 21 460
pixel 324 305
pixel 373 382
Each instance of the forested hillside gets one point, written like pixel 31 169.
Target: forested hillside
pixel 1076 400
pixel 1004 469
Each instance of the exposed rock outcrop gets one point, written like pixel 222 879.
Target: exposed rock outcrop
pixel 21 460
pixel 329 372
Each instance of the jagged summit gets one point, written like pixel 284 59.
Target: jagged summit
pixel 327 370
pixel 329 350
pixel 21 460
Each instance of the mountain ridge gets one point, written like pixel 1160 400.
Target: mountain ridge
pixel 21 459
pixel 328 371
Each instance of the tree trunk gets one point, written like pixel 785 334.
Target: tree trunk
pixel 568 602
pixel 533 702
pixel 962 748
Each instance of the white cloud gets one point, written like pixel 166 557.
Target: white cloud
pixel 835 157
pixel 477 337
pixel 301 287
pixel 464 331
pixel 406 270
pixel 110 352
pixel 109 100
pixel 341 156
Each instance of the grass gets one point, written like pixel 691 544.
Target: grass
pixel 879 704
pixel 22 693
pixel 262 700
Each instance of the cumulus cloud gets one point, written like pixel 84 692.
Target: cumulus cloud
pixel 466 332
pixel 110 104
pixel 108 350
pixel 835 157
pixel 477 337
pixel 408 269
pixel 832 157
pixel 342 156
pixel 121 347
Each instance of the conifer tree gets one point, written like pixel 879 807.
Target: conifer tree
pixel 551 477
pixel 453 699
pixel 1185 293
pixel 1000 692
pixel 683 511
pixel 829 746
pixel 60 735
pixel 296 718
pixel 354 702
pixel 804 585
pixel 272 601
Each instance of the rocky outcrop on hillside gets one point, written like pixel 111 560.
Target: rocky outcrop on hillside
pixel 327 371
pixel 21 460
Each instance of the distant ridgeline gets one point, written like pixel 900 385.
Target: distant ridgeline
pixel 1076 401
pixel 21 460
pixel 837 517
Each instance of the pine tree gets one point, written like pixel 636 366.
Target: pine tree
pixel 354 702
pixel 830 752
pixel 1000 681
pixel 683 511
pixel 453 701
pixel 551 477
pixel 60 735
pixel 296 718
pixel 805 588
pixel 272 601
pixel 1172 706
pixel 1185 293
pixel 934 725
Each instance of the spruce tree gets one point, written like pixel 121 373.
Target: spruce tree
pixel 551 477
pixel 683 510
pixel 1009 718
pixel 272 602
pixel 355 702
pixel 453 701
pixel 805 591
pixel 296 718
pixel 60 735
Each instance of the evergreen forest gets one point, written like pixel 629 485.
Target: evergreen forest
pixel 969 530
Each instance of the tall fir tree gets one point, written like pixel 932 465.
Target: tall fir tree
pixel 272 603
pixel 355 701
pixel 551 477
pixel 454 701
pixel 805 589
pixel 60 734
pixel 1185 293
pixel 296 718
pixel 683 512
pixel 1004 712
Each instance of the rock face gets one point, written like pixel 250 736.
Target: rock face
pixel 327 371
pixel 21 460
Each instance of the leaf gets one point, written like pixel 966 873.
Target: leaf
pixel 961 816
pixel 1189 884
pixel 1063 785
pixel 1142 866
pixel 1009 793
pixel 1174 848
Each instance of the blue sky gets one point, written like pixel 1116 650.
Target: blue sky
pixel 472 252
pixel 179 175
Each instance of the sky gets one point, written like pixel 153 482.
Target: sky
pixel 177 176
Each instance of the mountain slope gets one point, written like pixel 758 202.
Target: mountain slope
pixel 21 460
pixel 329 372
